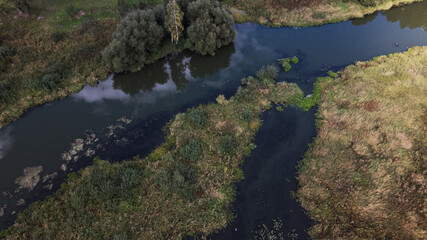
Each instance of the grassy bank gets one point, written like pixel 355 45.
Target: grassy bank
pixel 364 177
pixel 50 50
pixel 306 12
pixel 184 187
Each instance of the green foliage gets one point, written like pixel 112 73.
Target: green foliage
pixel 295 60
pixel 6 92
pixel 226 145
pixel 332 74
pixel 211 26
pixel 197 117
pixel 269 73
pixel 57 36
pixel 286 63
pixel 89 26
pixel 71 10
pixel 192 150
pixel 308 102
pixel 179 180
pixel 136 37
pixel 112 185
pixel 6 55
pixel 248 149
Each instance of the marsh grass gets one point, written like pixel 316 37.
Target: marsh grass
pixel 185 187
pixel 268 12
pixel 365 175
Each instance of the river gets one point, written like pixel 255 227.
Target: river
pixel 123 115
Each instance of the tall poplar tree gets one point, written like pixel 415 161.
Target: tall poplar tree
pixel 174 21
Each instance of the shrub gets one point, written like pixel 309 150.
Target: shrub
pixel 269 72
pixel 50 81
pixel 57 36
pixel 6 92
pixel 179 180
pixel 71 11
pixel 332 74
pixel 295 60
pixel 211 26
pixel 89 26
pixel 137 36
pixel 226 145
pixel 191 150
pixel 6 55
pixel 197 117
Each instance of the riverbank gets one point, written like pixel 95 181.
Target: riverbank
pixel 304 13
pixel 183 188
pixel 54 50
pixel 364 175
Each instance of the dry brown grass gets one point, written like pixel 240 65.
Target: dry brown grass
pixel 305 14
pixel 365 175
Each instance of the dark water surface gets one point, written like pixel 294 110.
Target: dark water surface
pixel 148 99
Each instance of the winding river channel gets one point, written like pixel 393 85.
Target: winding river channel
pixel 123 116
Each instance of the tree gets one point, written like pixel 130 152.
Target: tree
pixel 211 26
pixel 174 21
pixel 137 36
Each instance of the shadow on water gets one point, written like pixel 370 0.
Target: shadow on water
pixel 177 67
pixel 411 16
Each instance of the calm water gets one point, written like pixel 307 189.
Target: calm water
pixel 148 100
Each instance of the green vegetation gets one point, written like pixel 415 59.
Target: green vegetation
pixel 286 63
pixel 306 12
pixel 49 50
pixel 364 177
pixel 185 187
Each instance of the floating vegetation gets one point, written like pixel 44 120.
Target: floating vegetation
pixel 286 63
pixel 30 179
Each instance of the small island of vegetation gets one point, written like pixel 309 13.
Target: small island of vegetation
pixel 364 177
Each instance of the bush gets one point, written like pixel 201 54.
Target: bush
pixel 6 92
pixel 269 72
pixel 295 60
pixel 179 180
pixel 137 36
pixel 211 26
pixel 192 150
pixel 197 117
pixel 57 36
pixel 89 26
pixel 71 11
pixel 6 55
pixel 226 145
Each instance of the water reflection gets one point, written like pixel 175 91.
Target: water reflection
pixel 5 141
pixel 103 91
pixel 200 66
pixel 178 68
pixel 364 20
pixel 412 16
